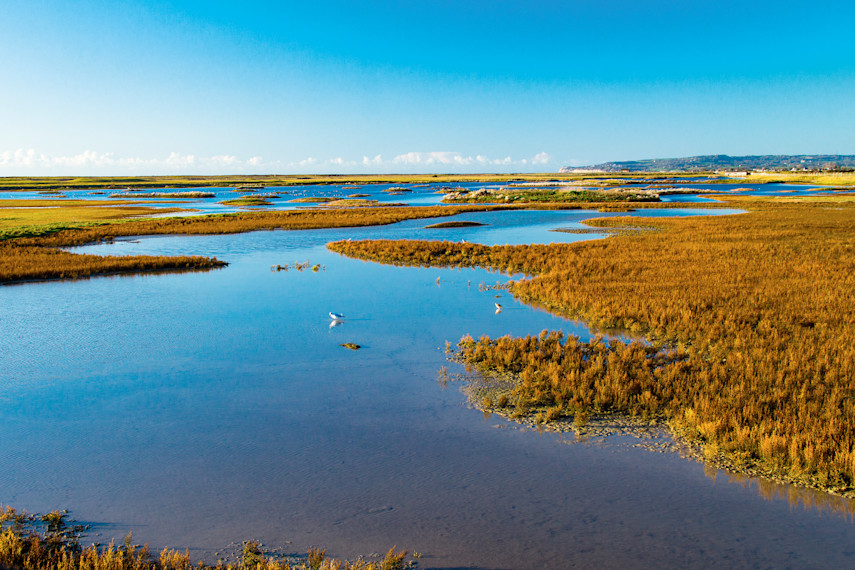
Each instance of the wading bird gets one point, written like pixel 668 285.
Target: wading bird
pixel 336 316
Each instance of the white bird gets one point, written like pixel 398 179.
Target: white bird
pixel 498 307
pixel 336 316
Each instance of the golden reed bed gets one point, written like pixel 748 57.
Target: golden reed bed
pixel 37 256
pixel 749 317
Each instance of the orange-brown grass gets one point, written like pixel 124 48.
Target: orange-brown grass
pixel 18 264
pixel 751 314
pixel 28 263
pixel 28 258
pixel 251 221
pixel 22 260
pixel 49 542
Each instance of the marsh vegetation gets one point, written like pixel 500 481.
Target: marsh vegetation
pixel 460 224
pixel 247 201
pixel 31 253
pixel 52 542
pixel 55 183
pixel 377 400
pixel 746 322
pixel 553 195
pixel 173 195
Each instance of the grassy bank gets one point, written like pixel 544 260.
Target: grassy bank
pixel 24 257
pixel 128 182
pixel 554 195
pixel 820 178
pixel 20 218
pixel 51 542
pixel 30 253
pixel 55 183
pixel 748 320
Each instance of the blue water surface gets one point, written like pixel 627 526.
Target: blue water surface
pixel 198 409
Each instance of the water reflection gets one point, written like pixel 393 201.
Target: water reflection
pixel 825 504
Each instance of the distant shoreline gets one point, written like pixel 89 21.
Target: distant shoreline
pixel 258 182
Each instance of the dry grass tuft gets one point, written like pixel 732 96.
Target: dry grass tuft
pixel 50 542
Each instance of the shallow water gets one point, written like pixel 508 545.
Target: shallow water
pixel 417 194
pixel 202 408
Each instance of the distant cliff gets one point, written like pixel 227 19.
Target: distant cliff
pixel 715 162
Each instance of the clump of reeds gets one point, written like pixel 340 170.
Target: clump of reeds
pixel 299 266
pixel 247 201
pixel 33 542
pixel 27 263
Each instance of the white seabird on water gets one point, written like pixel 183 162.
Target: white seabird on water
pixel 336 316
pixel 498 307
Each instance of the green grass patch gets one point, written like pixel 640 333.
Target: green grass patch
pixel 247 201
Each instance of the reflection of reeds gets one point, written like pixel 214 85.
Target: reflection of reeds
pixel 31 542
pixel 757 309
pixel 807 499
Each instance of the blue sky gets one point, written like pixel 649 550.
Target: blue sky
pixel 164 87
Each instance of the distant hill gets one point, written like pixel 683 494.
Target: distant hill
pixel 715 162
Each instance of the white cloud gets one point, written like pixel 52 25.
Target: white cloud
pixel 225 160
pixel 176 160
pixel 310 161
pixel 30 162
pixel 432 158
pixel 541 158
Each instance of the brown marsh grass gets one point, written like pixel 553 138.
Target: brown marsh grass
pixel 352 181
pixel 24 253
pixel 247 201
pixel 748 320
pixel 36 257
pixel 51 542
pixel 30 263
